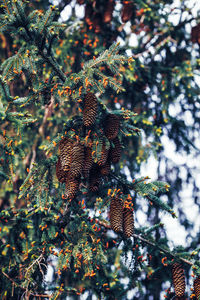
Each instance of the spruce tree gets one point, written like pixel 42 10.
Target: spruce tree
pixel 76 113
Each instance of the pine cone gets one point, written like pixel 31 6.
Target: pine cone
pixel 197 287
pixel 128 222
pixel 90 109
pixel 80 2
pixel 97 22
pixel 116 214
pixel 71 187
pixel 195 36
pixel 60 173
pixel 178 278
pixel 107 17
pixel 94 179
pixel 88 13
pixel 127 11
pixel 104 155
pixel 112 123
pixel 105 169
pixel 77 159
pixel 115 153
pixel 87 162
pixel 65 147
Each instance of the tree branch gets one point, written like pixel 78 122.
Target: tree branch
pixel 153 244
pixel 55 67
pixel 25 289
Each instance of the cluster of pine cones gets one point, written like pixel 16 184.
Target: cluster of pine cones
pixel 178 279
pixel 121 218
pixel 76 159
pixel 94 18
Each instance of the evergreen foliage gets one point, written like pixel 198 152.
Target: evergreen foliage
pixel 77 112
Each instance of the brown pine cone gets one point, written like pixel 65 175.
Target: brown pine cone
pixel 87 162
pixel 65 147
pixel 116 214
pixel 71 187
pixel 195 35
pixel 112 123
pixel 77 159
pixel 89 13
pixel 60 173
pixel 80 2
pixel 104 155
pixel 96 22
pixel 127 11
pixel 90 109
pixel 178 278
pixel 115 153
pixel 94 179
pixel 105 169
pixel 128 222
pixel 107 17
pixel 196 285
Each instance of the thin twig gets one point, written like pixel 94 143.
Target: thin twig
pixel 57 70
pixel 25 289
pixel 157 44
pixel 35 261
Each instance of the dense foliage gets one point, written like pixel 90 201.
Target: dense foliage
pixel 80 117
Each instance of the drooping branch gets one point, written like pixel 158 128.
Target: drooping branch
pixel 153 244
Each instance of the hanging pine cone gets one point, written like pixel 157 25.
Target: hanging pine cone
pixel 96 22
pixel 115 153
pixel 127 11
pixel 77 159
pixel 88 13
pixel 90 109
pixel 71 187
pixel 112 123
pixel 65 147
pixel 128 222
pixel 195 35
pixel 104 155
pixel 178 278
pixel 60 173
pixel 107 17
pixel 196 285
pixel 94 179
pixel 80 2
pixel 87 162
pixel 105 169
pixel 116 214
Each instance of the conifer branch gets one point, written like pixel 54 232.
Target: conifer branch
pixel 25 289
pixel 142 239
pixel 54 65
pixel 162 249
pixel 5 89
